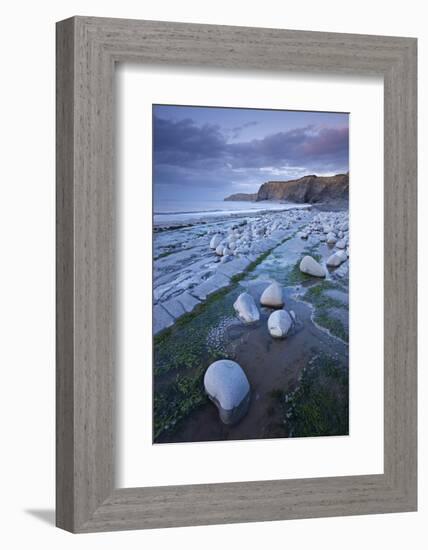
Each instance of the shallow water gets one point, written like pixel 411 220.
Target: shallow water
pixel 170 212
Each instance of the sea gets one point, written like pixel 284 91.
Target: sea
pixel 171 211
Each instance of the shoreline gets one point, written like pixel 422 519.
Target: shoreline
pixel 221 216
pixel 224 216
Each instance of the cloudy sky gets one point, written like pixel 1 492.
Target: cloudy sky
pixel 209 152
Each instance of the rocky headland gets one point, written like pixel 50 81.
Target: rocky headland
pixel 242 197
pixel 308 189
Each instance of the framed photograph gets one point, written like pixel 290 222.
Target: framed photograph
pixel 236 274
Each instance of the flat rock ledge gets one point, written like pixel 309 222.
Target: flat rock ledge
pixel 166 313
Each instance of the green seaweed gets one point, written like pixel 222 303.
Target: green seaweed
pixel 239 276
pixel 318 288
pixel 315 294
pixel 164 337
pixel 295 276
pixel 174 401
pixel 333 325
pixel 319 404
pixel 323 304
pixel 180 363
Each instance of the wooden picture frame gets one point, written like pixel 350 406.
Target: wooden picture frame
pixel 87 50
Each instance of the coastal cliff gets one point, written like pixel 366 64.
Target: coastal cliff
pixel 308 189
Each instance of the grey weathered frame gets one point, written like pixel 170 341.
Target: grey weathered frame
pixel 87 50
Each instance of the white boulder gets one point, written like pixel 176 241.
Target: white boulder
pixel 342 254
pixel 336 259
pixel 246 308
pixel 331 238
pixel 215 241
pixel 272 296
pixel 341 244
pixel 219 250
pixel 279 323
pixel 228 388
pixel 310 266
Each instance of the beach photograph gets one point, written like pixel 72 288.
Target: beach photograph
pixel 251 252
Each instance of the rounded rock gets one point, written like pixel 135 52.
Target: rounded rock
pixel 342 254
pixel 220 249
pixel 246 308
pixel 310 266
pixel 228 388
pixel 215 241
pixel 279 323
pixel 272 296
pixel 331 238
pixel 335 259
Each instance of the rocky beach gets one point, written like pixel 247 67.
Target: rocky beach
pixel 250 322
pixel 250 273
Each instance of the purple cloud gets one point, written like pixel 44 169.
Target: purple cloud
pixel 193 154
